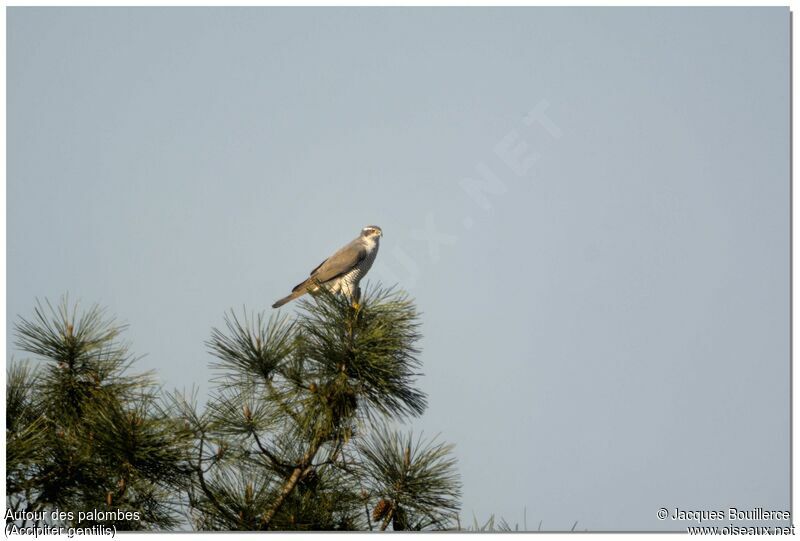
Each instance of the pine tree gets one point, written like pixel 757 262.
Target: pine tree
pixel 83 434
pixel 296 433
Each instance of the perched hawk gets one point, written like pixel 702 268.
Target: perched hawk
pixel 342 271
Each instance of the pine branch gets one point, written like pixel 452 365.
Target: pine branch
pixel 373 348
pixel 233 519
pixel 299 472
pixel 100 438
pixel 291 390
pixel 416 480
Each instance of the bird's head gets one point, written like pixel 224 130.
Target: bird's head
pixel 372 232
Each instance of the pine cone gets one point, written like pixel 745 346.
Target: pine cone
pixel 381 510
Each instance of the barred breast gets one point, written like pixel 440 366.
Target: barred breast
pixel 349 282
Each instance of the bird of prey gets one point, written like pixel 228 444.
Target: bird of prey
pixel 342 271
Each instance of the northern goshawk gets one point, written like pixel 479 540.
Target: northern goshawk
pixel 342 271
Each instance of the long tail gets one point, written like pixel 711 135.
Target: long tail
pixel 292 296
pixel 297 291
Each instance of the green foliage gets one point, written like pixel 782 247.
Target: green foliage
pixel 83 434
pixel 25 436
pixel 416 481
pixel 281 444
pixel 372 349
pixel 293 437
pixel 501 525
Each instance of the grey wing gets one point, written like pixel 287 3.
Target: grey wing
pixel 338 264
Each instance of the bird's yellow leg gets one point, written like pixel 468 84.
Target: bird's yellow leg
pixel 355 300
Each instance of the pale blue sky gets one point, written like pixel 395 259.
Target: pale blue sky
pixel 606 329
